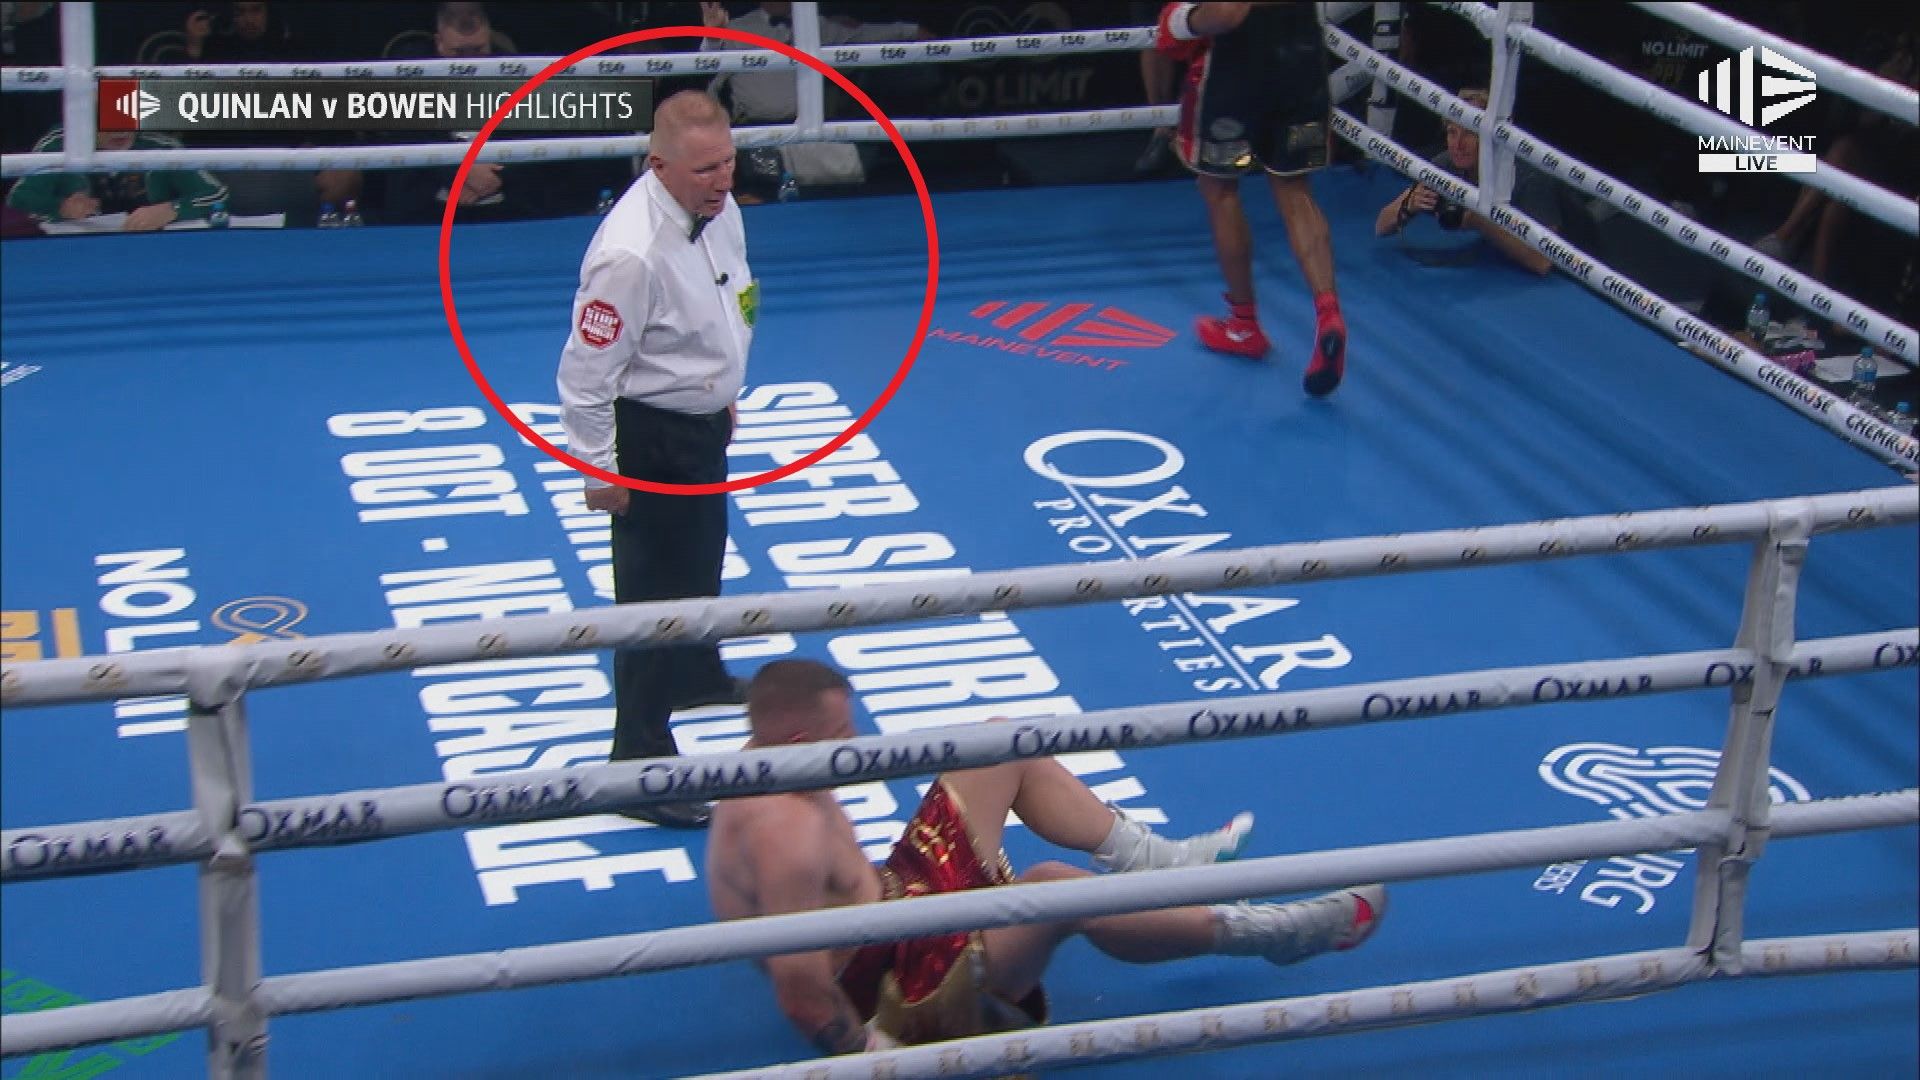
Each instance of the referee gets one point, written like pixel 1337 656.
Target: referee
pixel 656 355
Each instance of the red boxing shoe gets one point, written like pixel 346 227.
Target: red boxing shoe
pixel 1329 347
pixel 1238 334
pixel 1235 337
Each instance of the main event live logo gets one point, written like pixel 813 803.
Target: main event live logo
pixel 1633 783
pixel 1058 331
pixel 1733 96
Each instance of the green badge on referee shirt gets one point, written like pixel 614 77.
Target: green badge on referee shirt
pixel 749 298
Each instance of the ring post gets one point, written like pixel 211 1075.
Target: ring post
pixel 79 103
pixel 1382 101
pixel 222 773
pixel 1496 157
pixel 810 105
pixel 1740 784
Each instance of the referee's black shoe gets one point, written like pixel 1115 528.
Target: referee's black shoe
pixel 674 815
pixel 731 692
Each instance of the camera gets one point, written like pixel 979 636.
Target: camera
pixel 1449 214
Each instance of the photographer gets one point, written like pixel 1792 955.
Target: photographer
pixel 1533 195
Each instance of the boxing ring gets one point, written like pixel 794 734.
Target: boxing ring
pixel 1739 799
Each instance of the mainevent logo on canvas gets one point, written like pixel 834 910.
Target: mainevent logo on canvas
pixel 1058 332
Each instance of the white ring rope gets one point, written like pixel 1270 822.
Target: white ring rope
pixel 1891 207
pixel 1814 296
pixel 1872 90
pixel 567 149
pixel 624 65
pixel 1025 124
pixel 93 847
pixel 229 670
pixel 217 681
pixel 917 917
pixel 1802 395
pixel 1609 978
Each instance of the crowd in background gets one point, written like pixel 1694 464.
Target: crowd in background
pixel 1852 251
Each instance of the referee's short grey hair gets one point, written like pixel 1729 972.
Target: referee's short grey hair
pixel 682 112
pixel 688 109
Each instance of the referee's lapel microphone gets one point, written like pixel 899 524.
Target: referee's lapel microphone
pixel 693 236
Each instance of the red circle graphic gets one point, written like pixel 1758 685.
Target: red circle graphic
pixel 635 37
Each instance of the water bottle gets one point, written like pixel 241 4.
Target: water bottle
pixel 329 217
pixel 604 203
pixel 351 217
pixel 789 187
pixel 217 218
pixel 1759 319
pixel 1902 419
pixel 1865 371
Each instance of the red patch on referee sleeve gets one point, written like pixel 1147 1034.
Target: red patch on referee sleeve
pixel 599 324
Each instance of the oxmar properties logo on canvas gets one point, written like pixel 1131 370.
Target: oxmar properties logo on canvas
pixel 1731 86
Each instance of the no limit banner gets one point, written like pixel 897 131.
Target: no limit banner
pixel 185 106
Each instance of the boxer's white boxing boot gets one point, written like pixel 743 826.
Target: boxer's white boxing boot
pixel 1290 933
pixel 1132 846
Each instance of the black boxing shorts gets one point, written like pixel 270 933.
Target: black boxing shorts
pixel 1258 98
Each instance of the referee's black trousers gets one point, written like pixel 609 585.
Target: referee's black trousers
pixel 666 547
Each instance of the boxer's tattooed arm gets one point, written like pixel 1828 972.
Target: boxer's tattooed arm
pixel 815 1004
pixel 788 857
pixel 842 1034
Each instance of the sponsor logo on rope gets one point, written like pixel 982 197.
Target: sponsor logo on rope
pixel 1633 783
pixel 1882 436
pixel 850 761
pixel 1796 388
pixel 1711 340
pixel 1402 706
pixel 1217 723
pixel 1569 260
pixel 1895 654
pixel 317 821
pixel 72 851
pixel 1730 87
pixel 702 781
pixel 1590 688
pixel 1634 297
pixel 1030 741
pixel 462 801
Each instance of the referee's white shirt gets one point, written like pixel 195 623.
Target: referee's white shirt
pixel 658 319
